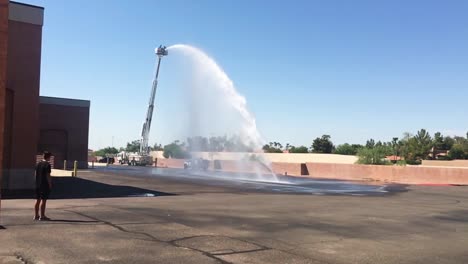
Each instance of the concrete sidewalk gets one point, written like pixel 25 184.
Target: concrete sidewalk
pixel 106 220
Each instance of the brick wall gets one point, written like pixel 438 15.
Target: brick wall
pixel 240 166
pixel 23 75
pixel 296 169
pixel 170 163
pixel 64 132
pixel 3 72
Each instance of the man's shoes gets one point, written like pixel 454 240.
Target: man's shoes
pixel 36 218
pixel 44 218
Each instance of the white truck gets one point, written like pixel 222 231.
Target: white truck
pixel 133 159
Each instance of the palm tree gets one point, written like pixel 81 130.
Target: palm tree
pixel 395 146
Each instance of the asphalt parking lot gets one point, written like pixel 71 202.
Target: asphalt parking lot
pixel 138 216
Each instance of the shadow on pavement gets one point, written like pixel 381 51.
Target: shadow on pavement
pixel 456 216
pixel 72 221
pixel 77 188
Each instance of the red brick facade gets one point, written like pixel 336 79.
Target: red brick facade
pixel 20 95
pixel 26 126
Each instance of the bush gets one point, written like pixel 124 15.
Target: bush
pixel 413 162
pixel 456 152
pixel 301 149
pixel 444 158
pixel 401 163
pixel 175 151
pixel 374 156
pixel 347 149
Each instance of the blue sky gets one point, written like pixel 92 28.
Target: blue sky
pixel 351 69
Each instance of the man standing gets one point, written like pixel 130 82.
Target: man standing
pixel 43 186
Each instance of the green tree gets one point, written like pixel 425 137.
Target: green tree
pixel 374 156
pixel 404 145
pixel 395 146
pixel 301 149
pixel 322 145
pixel 175 150
pixel 157 147
pixel 370 143
pixel 457 152
pixel 437 144
pixel 217 143
pixel 106 151
pixel 197 143
pixel 347 149
pixel 422 144
pixel 272 147
pixel 448 143
pixel 133 146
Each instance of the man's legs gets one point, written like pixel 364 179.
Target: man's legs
pixel 36 206
pixel 43 207
pixel 36 209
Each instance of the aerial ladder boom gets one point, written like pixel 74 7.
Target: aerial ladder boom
pixel 144 150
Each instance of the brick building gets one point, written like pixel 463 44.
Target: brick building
pixel 24 128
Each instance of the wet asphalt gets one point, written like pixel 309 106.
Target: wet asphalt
pixel 260 183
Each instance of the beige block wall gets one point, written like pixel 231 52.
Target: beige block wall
pixel 272 157
pixel 445 163
pixel 398 174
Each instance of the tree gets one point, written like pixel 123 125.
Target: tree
pixel 459 149
pixel 422 145
pixel 175 150
pixel 197 143
pixel 437 144
pixel 278 145
pixel 448 143
pixel 133 146
pixel 370 143
pixel 301 149
pixel 456 152
pixel 106 151
pixel 404 145
pixel 322 145
pixel 217 143
pixel 375 155
pixel 395 146
pixel 157 147
pixel 272 147
pixel 347 149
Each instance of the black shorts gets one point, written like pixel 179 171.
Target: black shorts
pixel 42 193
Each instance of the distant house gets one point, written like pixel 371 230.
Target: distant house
pixel 439 154
pixel 394 158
